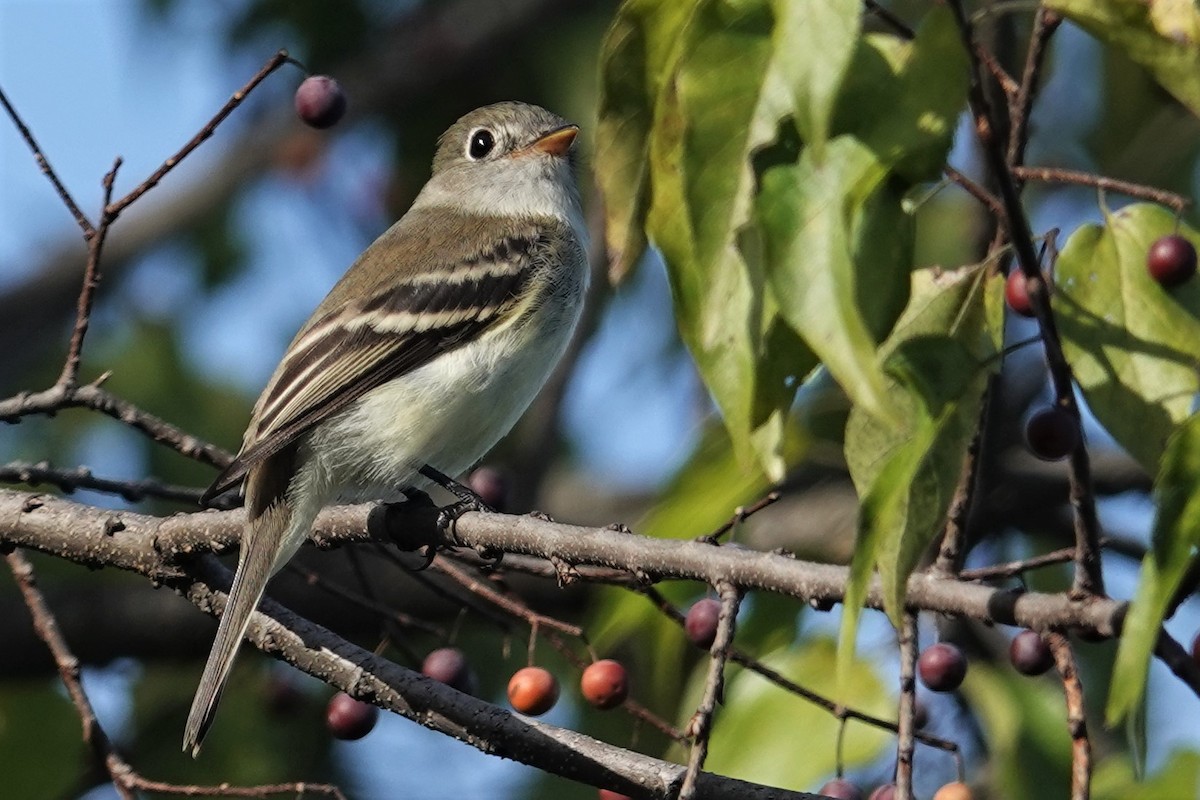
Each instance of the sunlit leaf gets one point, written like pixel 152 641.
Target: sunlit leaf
pixel 1163 36
pixel 635 61
pixel 938 359
pixel 1133 345
pixel 1174 540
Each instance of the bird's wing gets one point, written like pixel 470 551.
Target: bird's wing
pixel 377 325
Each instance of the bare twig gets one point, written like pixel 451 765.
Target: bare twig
pixel 1142 192
pixel 905 739
pixel 1045 23
pixel 953 545
pixel 975 190
pixel 1081 746
pixel 43 163
pixel 76 478
pixel 700 725
pixel 113 210
pixel 1088 577
pixel 740 515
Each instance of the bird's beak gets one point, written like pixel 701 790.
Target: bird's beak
pixel 557 142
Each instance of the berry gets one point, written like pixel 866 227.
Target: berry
pixel 920 715
pixel 885 792
pixel 283 698
pixel 348 718
pixel 954 791
pixel 841 789
pixel 491 486
pixel 1171 260
pixel 701 622
pixel 320 101
pixel 1030 654
pixel 604 684
pixel 1016 293
pixel 1052 434
pixel 532 691
pixel 942 667
pixel 449 665
pixel 609 794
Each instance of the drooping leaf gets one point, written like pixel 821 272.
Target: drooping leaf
pixel 1173 544
pixel 937 360
pixel 903 98
pixel 636 60
pixel 808 212
pixel 1163 37
pixel 814 43
pixel 1132 344
pixel 724 101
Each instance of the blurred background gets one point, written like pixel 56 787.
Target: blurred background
pixel 207 278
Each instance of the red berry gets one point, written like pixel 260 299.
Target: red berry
pixel 1171 260
pixel 348 718
pixel 449 665
pixel 605 684
pixel 1016 293
pixel 954 791
pixel 701 622
pixel 885 792
pixel 1052 434
pixel 320 101
pixel 841 789
pixel 532 691
pixel 942 667
pixel 609 794
pixel 491 486
pixel 1030 654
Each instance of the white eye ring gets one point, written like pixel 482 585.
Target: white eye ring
pixel 481 142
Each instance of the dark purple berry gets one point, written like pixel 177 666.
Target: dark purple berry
pixel 348 718
pixel 701 622
pixel 491 486
pixel 1052 434
pixel 841 789
pixel 320 101
pixel 1030 654
pixel 449 666
pixel 1171 260
pixel 942 667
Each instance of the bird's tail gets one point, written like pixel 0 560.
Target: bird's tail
pixel 257 561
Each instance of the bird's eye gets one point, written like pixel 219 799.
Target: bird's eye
pixel 480 143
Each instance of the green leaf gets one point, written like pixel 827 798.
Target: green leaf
pixel 808 212
pixel 902 98
pixel 1132 344
pixel 636 59
pixel 754 737
pixel 1173 544
pixel 722 104
pixel 937 360
pixel 1163 37
pixel 814 43
pixel 1115 779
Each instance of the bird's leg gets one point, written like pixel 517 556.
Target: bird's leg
pixel 468 500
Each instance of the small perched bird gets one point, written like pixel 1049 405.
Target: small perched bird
pixel 424 354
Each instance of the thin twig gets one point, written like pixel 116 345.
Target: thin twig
pixel 740 515
pixel 975 190
pixel 953 545
pixel 1081 746
pixel 76 478
pixel 1089 580
pixel 907 715
pixel 700 725
pixel 44 165
pixel 1045 23
pixel 1142 192
pixel 902 28
pixel 276 61
pixel 91 396
pixel 69 377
